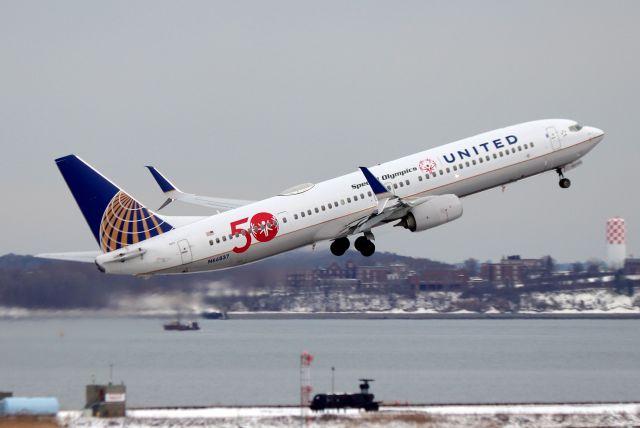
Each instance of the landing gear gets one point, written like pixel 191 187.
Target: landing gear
pixel 564 182
pixel 365 246
pixel 339 246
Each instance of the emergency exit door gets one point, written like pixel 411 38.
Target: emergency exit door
pixel 185 251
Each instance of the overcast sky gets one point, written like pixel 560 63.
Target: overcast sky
pixel 242 99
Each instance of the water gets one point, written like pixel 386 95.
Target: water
pixel 257 361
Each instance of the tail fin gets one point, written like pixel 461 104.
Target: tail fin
pixel 115 218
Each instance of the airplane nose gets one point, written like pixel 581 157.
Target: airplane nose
pixel 595 132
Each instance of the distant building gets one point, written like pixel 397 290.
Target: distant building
pixel 632 267
pixel 106 401
pixel 438 280
pixel 370 276
pixel 513 270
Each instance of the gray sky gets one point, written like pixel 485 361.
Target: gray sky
pixel 245 98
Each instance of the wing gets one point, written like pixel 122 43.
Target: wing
pixel 390 206
pixel 175 194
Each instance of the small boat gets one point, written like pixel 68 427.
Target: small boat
pixel 180 326
pixel 214 315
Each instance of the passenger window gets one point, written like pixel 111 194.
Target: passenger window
pixel 341 201
pixel 419 178
pixel 460 166
pixel 302 214
pixel 217 240
pixel 480 160
pixel 335 204
pixel 526 146
pixel 361 195
pixel 295 216
pixel 406 182
pixel 349 200
pixel 284 219
pixel 495 156
pixel 401 184
pixel 488 158
pixel 519 148
pixel 309 212
pixel 448 170
pixel 426 176
pixel 389 187
pixel 355 198
pixel 531 144
pixel 317 210
pixel 329 205
pixel 322 208
pixel 230 236
pixel 501 155
pixel 473 162
pixel 369 193
pixel 395 185
pixel 434 174
pixel 441 172
pixel 224 238
pixel 455 168
pixel 513 150
pixel 210 241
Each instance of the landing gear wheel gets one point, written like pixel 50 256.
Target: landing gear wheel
pixel 565 183
pixel 339 246
pixel 368 248
pixel 360 243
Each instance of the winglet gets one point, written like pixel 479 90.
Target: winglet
pixel 376 186
pixel 164 184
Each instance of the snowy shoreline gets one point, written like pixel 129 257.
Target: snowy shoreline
pixel 21 313
pixel 443 416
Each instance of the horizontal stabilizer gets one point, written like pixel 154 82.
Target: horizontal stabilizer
pixel 76 256
pixel 175 194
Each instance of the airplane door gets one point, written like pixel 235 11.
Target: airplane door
pixel 554 138
pixel 185 251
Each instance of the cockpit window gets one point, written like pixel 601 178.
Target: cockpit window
pixel 575 128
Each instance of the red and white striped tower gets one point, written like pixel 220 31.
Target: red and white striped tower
pixel 305 382
pixel 616 247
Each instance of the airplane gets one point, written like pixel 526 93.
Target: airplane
pixel 416 192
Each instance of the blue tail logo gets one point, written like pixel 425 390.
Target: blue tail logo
pixel 115 218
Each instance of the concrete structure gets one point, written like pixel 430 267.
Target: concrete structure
pixel 616 246
pixel 32 406
pixel 107 401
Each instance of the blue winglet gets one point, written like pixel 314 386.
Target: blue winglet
pixel 376 186
pixel 164 184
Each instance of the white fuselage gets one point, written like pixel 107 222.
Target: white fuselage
pixel 462 168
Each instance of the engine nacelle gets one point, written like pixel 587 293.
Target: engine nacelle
pixel 433 212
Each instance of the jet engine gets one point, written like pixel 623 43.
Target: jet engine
pixel 433 212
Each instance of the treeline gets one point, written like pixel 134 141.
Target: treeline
pixel 29 282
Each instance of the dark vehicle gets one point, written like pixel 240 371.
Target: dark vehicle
pixel 180 326
pixel 361 400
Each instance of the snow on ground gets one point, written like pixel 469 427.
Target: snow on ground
pixel 450 416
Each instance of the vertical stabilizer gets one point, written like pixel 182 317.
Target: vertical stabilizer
pixel 115 218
